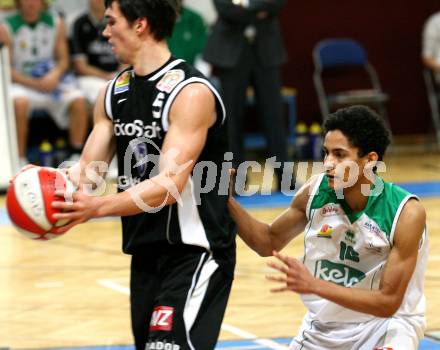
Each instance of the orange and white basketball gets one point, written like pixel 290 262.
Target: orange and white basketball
pixel 29 201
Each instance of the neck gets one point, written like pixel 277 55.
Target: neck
pixel 354 197
pixel 150 57
pixel 30 19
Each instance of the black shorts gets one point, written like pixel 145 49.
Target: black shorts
pixel 178 298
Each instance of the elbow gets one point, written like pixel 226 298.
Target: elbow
pixel 264 252
pixel 388 307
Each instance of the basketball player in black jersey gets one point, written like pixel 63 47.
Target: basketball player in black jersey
pixel 162 110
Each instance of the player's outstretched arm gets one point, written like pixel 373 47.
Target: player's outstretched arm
pixel 383 302
pixel 265 238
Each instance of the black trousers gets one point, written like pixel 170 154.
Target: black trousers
pixel 178 298
pixel 267 84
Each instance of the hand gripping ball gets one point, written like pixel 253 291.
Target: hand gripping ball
pixel 29 201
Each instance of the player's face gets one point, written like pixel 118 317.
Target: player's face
pixel 342 163
pixel 30 9
pixel 120 34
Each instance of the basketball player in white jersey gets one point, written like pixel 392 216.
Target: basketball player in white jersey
pixel 362 273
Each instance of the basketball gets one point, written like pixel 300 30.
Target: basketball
pixel 29 201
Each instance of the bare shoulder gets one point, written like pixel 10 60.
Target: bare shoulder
pixel 196 92
pixel 411 224
pixel 4 34
pixel 413 212
pixel 302 196
pixel 195 103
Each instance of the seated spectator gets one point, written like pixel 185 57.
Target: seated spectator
pixel 39 55
pixel 93 59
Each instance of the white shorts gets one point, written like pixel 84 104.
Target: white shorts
pixel 91 86
pixel 56 104
pixel 391 333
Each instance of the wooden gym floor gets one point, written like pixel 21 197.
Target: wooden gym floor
pixel 73 291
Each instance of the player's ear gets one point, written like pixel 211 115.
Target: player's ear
pixel 371 159
pixel 141 25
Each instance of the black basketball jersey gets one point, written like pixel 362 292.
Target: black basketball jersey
pixel 139 107
pixel 87 40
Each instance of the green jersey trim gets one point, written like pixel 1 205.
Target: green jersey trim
pixel 16 21
pixel 383 206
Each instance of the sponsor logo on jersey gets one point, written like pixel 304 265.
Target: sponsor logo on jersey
pixel 140 153
pixel 162 319
pixel 122 83
pixel 170 80
pixel 137 129
pixel 372 227
pixel 350 236
pixel 161 345
pixel 330 210
pixel 338 273
pixel 325 231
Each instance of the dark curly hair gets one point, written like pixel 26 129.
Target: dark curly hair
pixel 160 14
pixel 362 126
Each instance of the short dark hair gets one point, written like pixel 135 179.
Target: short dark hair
pixel 160 14
pixel 363 127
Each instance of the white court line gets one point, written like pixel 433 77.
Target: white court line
pixel 55 284
pixel 226 327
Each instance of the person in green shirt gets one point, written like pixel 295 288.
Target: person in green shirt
pixel 189 36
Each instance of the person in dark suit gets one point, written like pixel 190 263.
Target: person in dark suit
pixel 246 48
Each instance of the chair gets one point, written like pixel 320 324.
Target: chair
pixel 433 91
pixel 340 57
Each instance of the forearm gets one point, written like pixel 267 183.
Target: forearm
pixel 24 79
pixel 273 8
pixel 234 13
pixel 85 69
pixel 431 63
pixel 254 233
pixel 148 196
pixel 373 302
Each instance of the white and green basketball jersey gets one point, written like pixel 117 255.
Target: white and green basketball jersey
pixel 33 44
pixel 351 249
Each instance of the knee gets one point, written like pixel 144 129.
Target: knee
pixel 21 103
pixel 79 105
pixel 21 108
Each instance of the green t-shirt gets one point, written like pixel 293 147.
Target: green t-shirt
pixel 189 36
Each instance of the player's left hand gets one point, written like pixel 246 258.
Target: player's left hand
pixel 295 275
pixel 77 209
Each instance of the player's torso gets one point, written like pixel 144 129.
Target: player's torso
pixel 345 248
pixel 139 121
pixel 139 108
pixel 32 44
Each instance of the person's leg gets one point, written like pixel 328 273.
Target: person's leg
pixel 21 108
pixel 78 123
pixel 144 283
pixel 399 334
pixel 190 305
pixel 269 105
pixel 234 82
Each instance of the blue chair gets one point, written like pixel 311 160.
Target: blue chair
pixel 341 56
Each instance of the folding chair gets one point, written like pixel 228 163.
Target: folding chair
pixel 341 56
